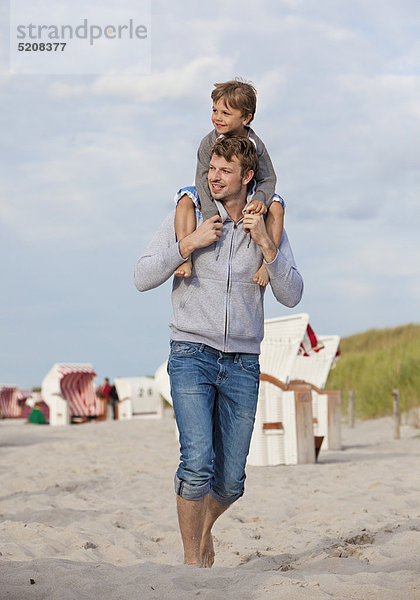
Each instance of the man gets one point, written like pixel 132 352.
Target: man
pixel 113 394
pixel 217 326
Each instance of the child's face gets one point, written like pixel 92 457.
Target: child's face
pixel 228 120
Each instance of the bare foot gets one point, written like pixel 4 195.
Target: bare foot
pixel 192 563
pixel 261 276
pixel 184 270
pixel 207 551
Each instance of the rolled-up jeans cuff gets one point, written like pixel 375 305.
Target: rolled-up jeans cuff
pixel 191 492
pixel 223 500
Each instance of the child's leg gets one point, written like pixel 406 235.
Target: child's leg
pixel 185 223
pixel 274 224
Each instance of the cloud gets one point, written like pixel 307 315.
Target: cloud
pixel 170 84
pixel 270 86
pixel 81 191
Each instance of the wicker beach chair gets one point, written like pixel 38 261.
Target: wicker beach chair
pixel 70 394
pixel 11 401
pixel 313 368
pixel 162 382
pixel 138 398
pixel 283 431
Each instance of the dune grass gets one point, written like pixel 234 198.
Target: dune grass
pixel 373 364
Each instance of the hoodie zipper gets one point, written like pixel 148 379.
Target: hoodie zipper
pixel 228 284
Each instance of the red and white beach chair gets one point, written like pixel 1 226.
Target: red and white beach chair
pixel 11 400
pixel 69 391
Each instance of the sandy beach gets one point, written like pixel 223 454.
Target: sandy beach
pixel 88 511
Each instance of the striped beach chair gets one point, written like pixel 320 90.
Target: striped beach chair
pixel 11 400
pixel 69 391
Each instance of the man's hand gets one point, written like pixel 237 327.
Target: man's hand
pixel 255 225
pixel 207 233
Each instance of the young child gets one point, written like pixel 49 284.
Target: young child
pixel 234 106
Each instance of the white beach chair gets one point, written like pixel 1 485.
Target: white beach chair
pixel 326 404
pixel 138 398
pixel 284 334
pixel 283 431
pixel 69 392
pixel 162 382
pixel 316 367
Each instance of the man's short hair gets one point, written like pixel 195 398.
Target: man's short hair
pixel 241 147
pixel 237 94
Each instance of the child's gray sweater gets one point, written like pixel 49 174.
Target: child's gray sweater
pixel 265 176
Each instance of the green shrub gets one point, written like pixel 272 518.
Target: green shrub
pixel 373 364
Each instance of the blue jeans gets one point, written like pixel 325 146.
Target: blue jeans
pixel 214 396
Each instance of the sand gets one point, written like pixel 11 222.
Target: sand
pixel 88 511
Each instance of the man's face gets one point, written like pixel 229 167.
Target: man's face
pixel 225 178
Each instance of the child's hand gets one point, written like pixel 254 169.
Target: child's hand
pixel 256 207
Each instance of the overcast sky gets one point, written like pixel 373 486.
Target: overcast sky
pixel 90 164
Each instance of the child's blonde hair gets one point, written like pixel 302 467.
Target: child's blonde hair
pixel 237 94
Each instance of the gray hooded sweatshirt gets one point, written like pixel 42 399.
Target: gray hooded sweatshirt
pixel 219 305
